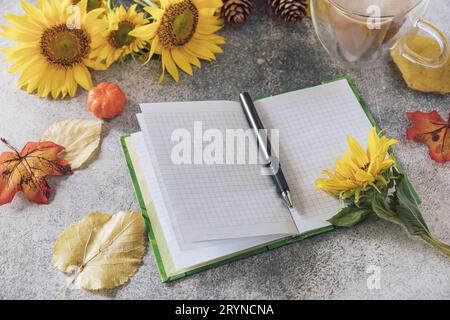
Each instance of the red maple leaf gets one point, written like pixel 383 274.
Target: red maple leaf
pixel 26 171
pixel 429 128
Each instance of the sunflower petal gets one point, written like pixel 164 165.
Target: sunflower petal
pixel 181 61
pixel 155 12
pixel 215 4
pixel 197 47
pixel 83 77
pixel 146 32
pixel 192 58
pixel 170 64
pixel 207 28
pixel 33 12
pixel 357 153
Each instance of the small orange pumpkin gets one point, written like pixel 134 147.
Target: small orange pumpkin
pixel 106 100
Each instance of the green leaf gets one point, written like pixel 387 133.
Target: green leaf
pixel 402 210
pixel 409 212
pixel 111 5
pixel 383 210
pixel 350 216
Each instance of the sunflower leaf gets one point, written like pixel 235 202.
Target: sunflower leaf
pixel 383 210
pixel 401 208
pixel 111 5
pixel 350 216
pixel 101 251
pixel 408 211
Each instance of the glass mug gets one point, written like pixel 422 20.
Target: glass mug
pixel 356 31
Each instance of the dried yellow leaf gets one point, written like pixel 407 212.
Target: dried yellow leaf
pixel 101 251
pixel 433 80
pixel 80 138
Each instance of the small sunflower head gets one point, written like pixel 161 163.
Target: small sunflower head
pixel 119 41
pixel 120 38
pixel 178 24
pixel 360 171
pixel 183 33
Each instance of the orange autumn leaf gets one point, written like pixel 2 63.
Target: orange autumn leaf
pixel 26 171
pixel 429 128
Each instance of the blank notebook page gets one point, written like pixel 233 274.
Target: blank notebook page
pixel 314 124
pixel 211 202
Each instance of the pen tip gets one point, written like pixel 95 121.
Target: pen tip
pixel 287 199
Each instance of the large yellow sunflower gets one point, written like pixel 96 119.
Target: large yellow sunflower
pixel 55 46
pixel 182 32
pixel 360 170
pixel 118 43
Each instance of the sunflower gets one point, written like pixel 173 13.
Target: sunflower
pixel 93 4
pixel 182 32
pixel 118 43
pixel 359 170
pixel 55 48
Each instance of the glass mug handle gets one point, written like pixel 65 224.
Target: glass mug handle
pixel 437 35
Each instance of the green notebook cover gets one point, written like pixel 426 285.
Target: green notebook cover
pixel 250 252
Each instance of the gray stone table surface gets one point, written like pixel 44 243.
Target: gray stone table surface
pixel 265 57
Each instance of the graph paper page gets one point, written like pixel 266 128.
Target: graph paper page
pixel 183 255
pixel 313 127
pixel 210 201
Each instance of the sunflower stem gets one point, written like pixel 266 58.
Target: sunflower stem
pixel 439 245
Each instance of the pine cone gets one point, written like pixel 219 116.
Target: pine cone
pixel 291 11
pixel 237 11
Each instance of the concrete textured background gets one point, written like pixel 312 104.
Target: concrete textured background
pixel 265 57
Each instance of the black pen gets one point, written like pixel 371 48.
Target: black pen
pixel 266 148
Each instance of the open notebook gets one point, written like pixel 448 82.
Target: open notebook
pixel 201 215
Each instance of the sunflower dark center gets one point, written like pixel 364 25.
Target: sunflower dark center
pixel 65 47
pixel 120 37
pixel 178 24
